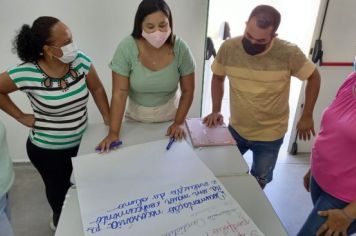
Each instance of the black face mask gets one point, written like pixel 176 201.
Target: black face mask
pixel 252 48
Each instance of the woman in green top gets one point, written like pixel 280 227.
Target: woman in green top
pixel 147 67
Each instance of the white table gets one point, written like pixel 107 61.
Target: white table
pixel 221 160
pixel 247 192
pixel 225 162
pixel 243 188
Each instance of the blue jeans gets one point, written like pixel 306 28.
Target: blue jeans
pixel 265 155
pixel 5 226
pixel 322 201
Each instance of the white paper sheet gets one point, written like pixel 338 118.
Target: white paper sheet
pixel 147 190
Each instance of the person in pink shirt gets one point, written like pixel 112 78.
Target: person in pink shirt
pixel 331 179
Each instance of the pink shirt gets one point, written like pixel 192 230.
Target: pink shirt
pixel 334 152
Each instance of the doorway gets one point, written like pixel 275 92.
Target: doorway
pixel 297 26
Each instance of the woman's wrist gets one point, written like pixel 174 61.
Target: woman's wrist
pixel 18 116
pixel 348 216
pixel 113 133
pixel 106 120
pixel 178 122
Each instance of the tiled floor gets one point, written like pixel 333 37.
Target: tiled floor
pixel 30 210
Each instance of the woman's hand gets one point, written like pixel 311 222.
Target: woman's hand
pixel 176 131
pixel 27 120
pixel 306 180
pixel 104 145
pixel 337 223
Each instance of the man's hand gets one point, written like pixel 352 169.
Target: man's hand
pixel 213 119
pixel 305 127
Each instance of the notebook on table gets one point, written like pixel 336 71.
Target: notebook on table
pixel 203 136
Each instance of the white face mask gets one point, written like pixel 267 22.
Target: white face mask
pixel 157 38
pixel 70 52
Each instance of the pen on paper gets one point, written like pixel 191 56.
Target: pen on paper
pixel 171 141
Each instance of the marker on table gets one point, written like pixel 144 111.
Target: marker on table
pixel 171 141
pixel 113 145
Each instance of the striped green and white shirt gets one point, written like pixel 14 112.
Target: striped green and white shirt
pixel 60 114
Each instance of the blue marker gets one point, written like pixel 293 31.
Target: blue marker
pixel 171 141
pixel 113 145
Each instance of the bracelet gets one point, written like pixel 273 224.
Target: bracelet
pixel 347 215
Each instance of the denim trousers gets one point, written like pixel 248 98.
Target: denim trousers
pixel 322 201
pixel 265 155
pixel 5 226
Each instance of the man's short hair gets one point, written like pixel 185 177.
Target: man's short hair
pixel 266 16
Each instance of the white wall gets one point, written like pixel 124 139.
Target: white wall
pixel 339 45
pixel 97 27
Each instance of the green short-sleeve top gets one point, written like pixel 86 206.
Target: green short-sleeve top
pixel 151 88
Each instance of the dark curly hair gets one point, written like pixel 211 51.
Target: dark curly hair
pixel 29 41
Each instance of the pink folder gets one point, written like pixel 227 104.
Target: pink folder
pixel 203 136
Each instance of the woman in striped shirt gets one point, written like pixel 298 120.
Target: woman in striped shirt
pixel 57 79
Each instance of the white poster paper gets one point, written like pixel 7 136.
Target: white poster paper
pixel 146 190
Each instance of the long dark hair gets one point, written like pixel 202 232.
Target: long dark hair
pixel 147 7
pixel 29 41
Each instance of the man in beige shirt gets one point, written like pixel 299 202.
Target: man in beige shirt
pixel 259 67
